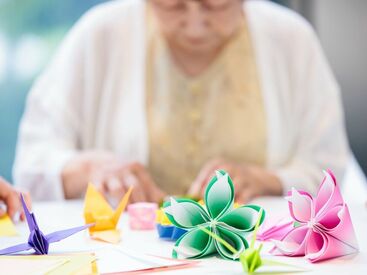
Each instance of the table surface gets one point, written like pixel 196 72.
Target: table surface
pixel 57 215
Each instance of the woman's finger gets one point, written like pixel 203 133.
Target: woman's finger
pixel 138 194
pixel 146 181
pixel 115 187
pixel 13 204
pixel 244 196
pixel 198 186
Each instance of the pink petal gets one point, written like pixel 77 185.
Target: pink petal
pixel 328 195
pixel 332 248
pixel 344 230
pixel 330 219
pixel 316 245
pixel 293 244
pixel 274 230
pixel 300 206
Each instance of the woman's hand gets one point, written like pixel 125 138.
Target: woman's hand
pixel 115 180
pixel 249 181
pixel 111 176
pixel 11 197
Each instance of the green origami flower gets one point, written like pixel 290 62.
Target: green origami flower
pixel 218 216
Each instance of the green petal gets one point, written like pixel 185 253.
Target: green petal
pixel 185 213
pixel 194 244
pixel 219 194
pixel 243 218
pixel 237 241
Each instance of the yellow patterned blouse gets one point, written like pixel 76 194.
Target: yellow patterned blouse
pixel 192 120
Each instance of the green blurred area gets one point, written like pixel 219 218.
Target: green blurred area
pixel 42 20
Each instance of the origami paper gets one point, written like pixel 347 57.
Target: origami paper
pixel 105 219
pixel 24 266
pixel 274 230
pixel 251 259
pixel 37 240
pixel 324 227
pixel 142 215
pixel 7 227
pixel 80 263
pixel 218 216
pixel 135 262
pixel 166 230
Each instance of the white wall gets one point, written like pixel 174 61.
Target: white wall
pixel 342 28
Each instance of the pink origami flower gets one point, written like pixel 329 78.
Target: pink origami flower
pixel 325 228
pixel 274 229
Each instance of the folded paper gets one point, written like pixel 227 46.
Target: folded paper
pixel 251 259
pixel 218 216
pixel 37 240
pixel 142 215
pixel 166 230
pixel 81 263
pixel 135 262
pixel 274 230
pixel 7 228
pixel 98 211
pixel 324 227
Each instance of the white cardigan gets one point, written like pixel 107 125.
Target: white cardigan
pixel 92 96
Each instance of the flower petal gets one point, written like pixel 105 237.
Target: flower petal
pixel 219 194
pixel 243 218
pixel 300 206
pixel 194 244
pixel 185 213
pixel 342 230
pixel 316 245
pixel 331 219
pixel 294 243
pixel 236 240
pixel 328 195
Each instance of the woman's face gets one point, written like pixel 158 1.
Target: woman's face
pixel 198 26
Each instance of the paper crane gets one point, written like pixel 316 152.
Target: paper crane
pixel 105 219
pixel 37 240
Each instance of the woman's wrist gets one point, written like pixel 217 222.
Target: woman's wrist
pixel 75 177
pixel 268 183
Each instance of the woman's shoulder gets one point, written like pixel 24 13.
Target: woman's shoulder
pixel 110 14
pixel 277 19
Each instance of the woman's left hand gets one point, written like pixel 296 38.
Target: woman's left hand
pixel 249 180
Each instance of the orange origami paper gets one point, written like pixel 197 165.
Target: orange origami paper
pixel 98 211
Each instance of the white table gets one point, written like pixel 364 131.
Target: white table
pixel 55 215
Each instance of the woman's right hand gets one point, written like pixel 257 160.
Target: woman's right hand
pixel 11 197
pixel 111 177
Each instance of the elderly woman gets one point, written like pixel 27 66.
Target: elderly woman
pixel 160 93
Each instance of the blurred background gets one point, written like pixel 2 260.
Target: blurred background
pixel 30 31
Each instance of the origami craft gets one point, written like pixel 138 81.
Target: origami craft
pixel 218 216
pixel 105 219
pixel 142 215
pixel 251 259
pixel 166 230
pixel 324 228
pixel 37 240
pixel 274 230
